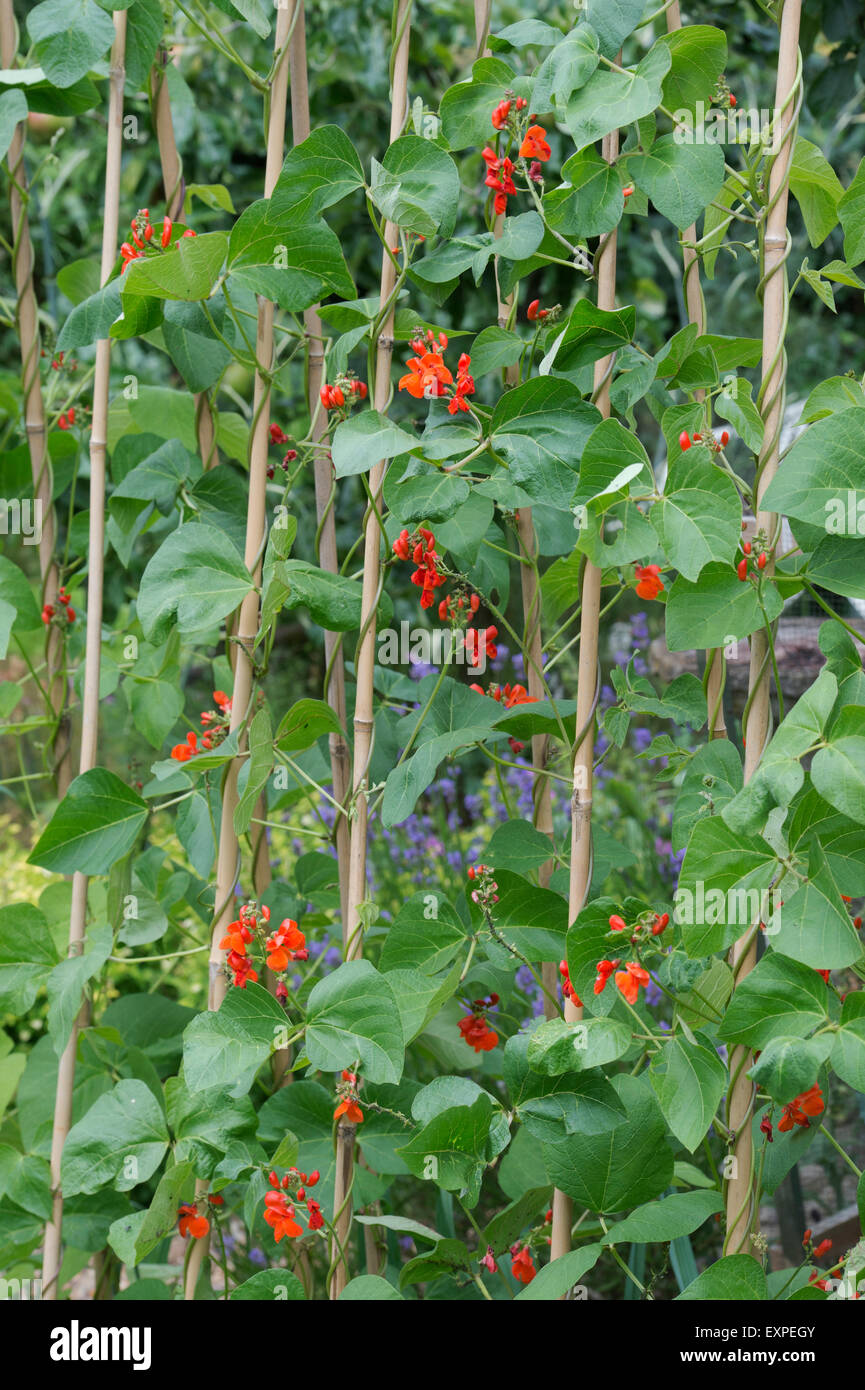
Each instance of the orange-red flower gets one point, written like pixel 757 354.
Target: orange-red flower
pixel 465 386
pixel 282 943
pixel 190 1222
pixel 182 752
pixel 523 1266
pixel 630 979
pixel 649 581
pixel 810 1102
pixel 236 938
pixel 500 114
pixel 351 1110
pixel 477 1032
pixel 428 376
pixel 535 145
pixel 279 1215
pixel 243 969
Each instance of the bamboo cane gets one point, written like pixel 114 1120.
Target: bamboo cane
pixel 93 652
pixel 741 1200
pixel 228 854
pixel 328 558
pixel 27 316
pixel 363 716
pixel 174 186
pixel 587 691
pixel 696 306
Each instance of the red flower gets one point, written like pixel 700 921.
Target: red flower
pixel 477 1032
pixel 351 1110
pixel 535 145
pixel 277 435
pixel 500 114
pixel 766 1128
pixel 316 1220
pixel 630 979
pixel 605 969
pixel 810 1102
pixel 190 1223
pixel 488 1261
pixel 282 943
pixel 428 376
pixel 166 232
pixel 523 1266
pixel 182 752
pixel 649 582
pixel 279 1215
pixel 567 988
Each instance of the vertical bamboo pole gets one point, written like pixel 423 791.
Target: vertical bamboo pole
pixel 588 681
pixel 363 716
pixel 696 306
pixel 93 650
pixel 27 317
pixel 228 855
pixel 325 487
pixel 741 1199
pixel 174 185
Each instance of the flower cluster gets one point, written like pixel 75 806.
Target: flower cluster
pixel 474 1027
pixel 716 445
pixel 810 1102
pixel 500 167
pixel 508 695
pixel 279 1209
pixel 66 419
pixel 345 388
pixel 481 637
pixel 428 375
pixel 286 944
pixel 500 177
pixel 142 237
pixel 348 1104
pixel 485 893
pixel 750 557
pixel 241 934
pixel 279 436
pixel 215 727
pixel 49 612
pixel 420 548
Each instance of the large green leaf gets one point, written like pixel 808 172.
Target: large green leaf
pixel 70 37
pixel 188 270
pixel 689 1080
pixel 226 1047
pixel 679 178
pixel 96 823
pixel 27 956
pixel 698 517
pixel 352 1016
pixel 416 186
pixel 716 609
pixel 195 579
pixel 121 1140
pixel 316 174
pixel 779 998
pixel 611 99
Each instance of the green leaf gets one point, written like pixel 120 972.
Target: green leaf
pixel 227 1047
pixel 121 1140
pixel 206 1123
pixel 557 1046
pixel 508 1226
pixel 788 1066
pixel 495 348
pixel 679 1214
pixel 451 1149
pixel 294 265
pixel 680 179
pixel 333 600
pixel 13 109
pixel 689 1080
pixel 556 1278
pixel 466 107
pixel 195 579
pixel 817 189
pixel 532 919
pixel 96 823
pixel 540 428
pixel 699 57
pixel 27 956
pixel 269 1286
pixel 613 21
pixel 67 980
pixel 317 173
pixel 838 771
pixel 592 333
pixel 627 1166
pixel 851 211
pixel 716 609
pixel 416 186
pixel 304 724
pixel 590 201
pixel 160 1219
pixel 92 318
pixel 814 926
pixel 69 39
pixel 698 518
pixel 848 1054
pixel 363 440
pixel 824 464
pixel 733 1279
pixel 723 886
pixel 779 998
pixel 735 404
pixel 612 99
pixel 366 1287
pixel 426 935
pixel 518 846
pixel 260 763
pixel 352 1014
pixel 25 1179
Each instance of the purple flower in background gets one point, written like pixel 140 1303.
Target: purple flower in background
pixel 257 1257
pixel 654 993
